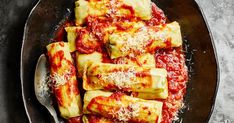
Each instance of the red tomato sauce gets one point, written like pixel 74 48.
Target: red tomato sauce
pixel 129 8
pixel 174 62
pixel 60 33
pixel 115 96
pixel 75 120
pixel 93 119
pixel 54 65
pixel 83 44
pixel 143 74
pixel 158 16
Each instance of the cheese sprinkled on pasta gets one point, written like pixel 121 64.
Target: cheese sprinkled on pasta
pixel 121 78
pixel 137 41
pixel 126 113
pixel 59 80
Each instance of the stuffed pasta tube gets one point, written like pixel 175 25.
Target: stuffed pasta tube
pixel 63 75
pixel 144 39
pixel 123 77
pixel 149 61
pixel 119 8
pixel 121 107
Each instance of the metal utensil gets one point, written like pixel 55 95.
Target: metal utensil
pixel 41 86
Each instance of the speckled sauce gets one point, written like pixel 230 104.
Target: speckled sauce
pixel 174 62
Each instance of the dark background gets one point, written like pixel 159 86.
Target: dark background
pixel 13 15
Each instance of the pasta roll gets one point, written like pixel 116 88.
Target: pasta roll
pixel 82 59
pixel 63 74
pixel 162 94
pixel 122 8
pixel 123 77
pixel 121 107
pixel 145 39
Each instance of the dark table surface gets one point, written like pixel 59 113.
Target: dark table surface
pixel 13 15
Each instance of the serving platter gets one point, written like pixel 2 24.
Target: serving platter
pixel 47 16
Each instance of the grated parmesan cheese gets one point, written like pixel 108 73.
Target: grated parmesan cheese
pixel 139 40
pixel 136 41
pixel 126 113
pixel 59 80
pixel 160 35
pixel 121 78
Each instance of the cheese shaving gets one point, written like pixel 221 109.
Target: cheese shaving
pixel 126 113
pixel 59 80
pixel 121 78
pixel 136 41
pixel 160 35
pixel 140 39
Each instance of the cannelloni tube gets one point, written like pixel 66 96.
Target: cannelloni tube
pixel 149 61
pixel 96 119
pixel 161 94
pixel 123 77
pixel 63 75
pixel 120 8
pixel 145 39
pixel 82 59
pixel 121 107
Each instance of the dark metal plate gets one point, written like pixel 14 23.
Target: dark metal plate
pixel 204 72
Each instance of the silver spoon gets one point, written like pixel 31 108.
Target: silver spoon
pixel 41 86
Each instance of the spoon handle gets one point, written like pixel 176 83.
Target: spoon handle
pixel 53 113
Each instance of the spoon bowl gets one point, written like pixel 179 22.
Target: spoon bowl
pixel 42 91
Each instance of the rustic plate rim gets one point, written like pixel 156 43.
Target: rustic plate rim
pixel 21 58
pixel 216 59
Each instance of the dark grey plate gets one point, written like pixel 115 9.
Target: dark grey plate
pixel 204 72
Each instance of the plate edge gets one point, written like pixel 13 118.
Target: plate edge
pixel 216 59
pixel 21 58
